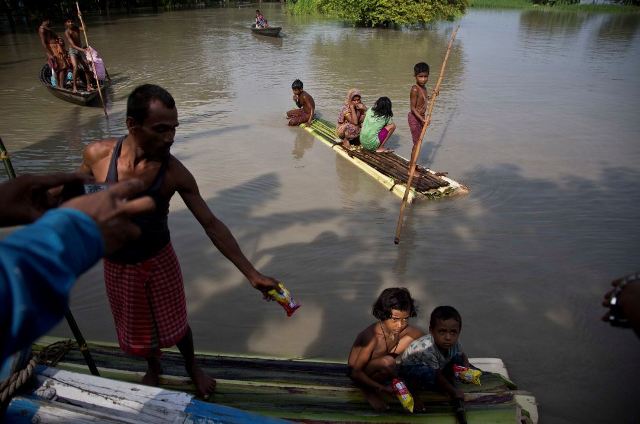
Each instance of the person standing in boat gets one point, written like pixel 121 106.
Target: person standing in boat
pixel 377 126
pixel 372 360
pixel 350 118
pixel 143 279
pixel 261 22
pixel 306 106
pixel 55 53
pixel 77 53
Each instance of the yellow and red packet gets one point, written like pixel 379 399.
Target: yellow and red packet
pixel 467 375
pixel 403 394
pixel 284 298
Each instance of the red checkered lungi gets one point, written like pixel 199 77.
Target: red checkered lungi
pixel 297 117
pixel 147 302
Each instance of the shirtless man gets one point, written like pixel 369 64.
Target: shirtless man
pixel 55 53
pixel 372 362
pixel 306 106
pixel 76 52
pixel 143 279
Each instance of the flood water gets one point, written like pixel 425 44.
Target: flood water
pixel 537 114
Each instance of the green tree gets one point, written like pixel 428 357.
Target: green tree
pixel 383 12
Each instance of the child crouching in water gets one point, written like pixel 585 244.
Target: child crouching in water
pixel 427 364
pixel 377 126
pixel 372 360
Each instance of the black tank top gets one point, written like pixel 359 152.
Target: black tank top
pixel 155 230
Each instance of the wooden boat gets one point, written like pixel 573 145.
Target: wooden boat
pixel 294 389
pixel 389 169
pixel 81 97
pixel 269 31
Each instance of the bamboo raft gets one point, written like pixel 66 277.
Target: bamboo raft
pixel 300 390
pixel 388 168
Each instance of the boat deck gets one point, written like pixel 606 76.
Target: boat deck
pixel 305 390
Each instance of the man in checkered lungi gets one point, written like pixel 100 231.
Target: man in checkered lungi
pixel 143 279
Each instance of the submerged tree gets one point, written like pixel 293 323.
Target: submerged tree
pixel 382 12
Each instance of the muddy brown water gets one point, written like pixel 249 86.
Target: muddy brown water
pixel 537 115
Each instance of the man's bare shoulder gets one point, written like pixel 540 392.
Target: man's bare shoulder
pixel 100 149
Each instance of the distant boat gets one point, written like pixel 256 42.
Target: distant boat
pixel 269 31
pixel 81 97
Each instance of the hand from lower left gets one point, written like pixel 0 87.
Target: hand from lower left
pixel 27 197
pixel 111 210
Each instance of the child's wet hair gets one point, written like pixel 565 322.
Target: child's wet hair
pixel 443 313
pixel 297 84
pixel 397 298
pixel 382 107
pixel 420 67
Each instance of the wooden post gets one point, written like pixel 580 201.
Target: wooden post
pixel 93 64
pixel 416 149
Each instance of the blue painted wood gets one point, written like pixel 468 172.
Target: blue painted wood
pixel 21 411
pixel 204 412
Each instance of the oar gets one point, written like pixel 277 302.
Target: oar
pixel 416 149
pixel 82 344
pixel 93 64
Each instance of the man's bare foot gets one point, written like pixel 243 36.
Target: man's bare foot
pixel 383 150
pixel 152 377
pixel 376 401
pixel 205 385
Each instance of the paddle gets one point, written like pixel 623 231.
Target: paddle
pixel 68 315
pixel 93 64
pixel 416 149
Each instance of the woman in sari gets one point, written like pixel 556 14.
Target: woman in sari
pixel 350 118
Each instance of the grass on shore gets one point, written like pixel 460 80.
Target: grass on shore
pixel 527 4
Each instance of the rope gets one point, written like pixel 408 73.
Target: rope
pixel 9 387
pixel 49 355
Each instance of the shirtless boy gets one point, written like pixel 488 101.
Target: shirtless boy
pixel 306 106
pixel 76 52
pixel 55 53
pixel 372 362
pixel 418 98
pixel 143 279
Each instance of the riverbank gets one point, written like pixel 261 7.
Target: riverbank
pixel 527 4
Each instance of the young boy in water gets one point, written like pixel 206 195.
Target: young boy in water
pixel 306 106
pixel 418 98
pixel 372 360
pixel 427 363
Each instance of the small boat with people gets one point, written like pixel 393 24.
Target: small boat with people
pixel 390 169
pixel 268 31
pixel 82 97
pixel 270 388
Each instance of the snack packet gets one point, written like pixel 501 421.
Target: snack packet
pixel 467 375
pixel 403 394
pixel 284 298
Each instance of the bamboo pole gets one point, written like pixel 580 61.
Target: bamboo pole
pixel 68 315
pixel 93 64
pixel 7 161
pixel 416 150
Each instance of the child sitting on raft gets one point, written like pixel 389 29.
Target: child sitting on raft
pixel 377 126
pixel 372 360
pixel 350 118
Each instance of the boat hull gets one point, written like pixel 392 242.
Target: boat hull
pixel 308 390
pixel 83 98
pixel 269 32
